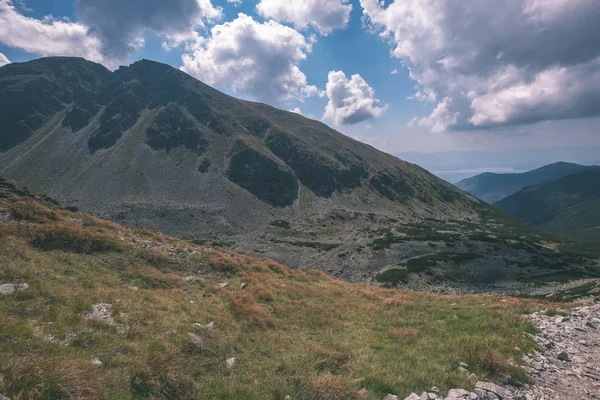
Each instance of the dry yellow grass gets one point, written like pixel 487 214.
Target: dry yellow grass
pixel 302 334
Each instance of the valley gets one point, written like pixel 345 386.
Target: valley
pixel 160 239
pixel 148 146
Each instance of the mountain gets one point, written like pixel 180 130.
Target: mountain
pixel 492 187
pixel 106 312
pixel 569 206
pixel 149 146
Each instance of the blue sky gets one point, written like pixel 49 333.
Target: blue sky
pixel 482 76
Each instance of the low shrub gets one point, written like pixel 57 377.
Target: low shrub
pixel 72 240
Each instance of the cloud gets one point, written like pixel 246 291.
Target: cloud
pixel 296 110
pixel 394 71
pixel 260 59
pixel 323 15
pixel 350 100
pixel 3 60
pixel 236 3
pixel 485 64
pixel 121 25
pixel 46 37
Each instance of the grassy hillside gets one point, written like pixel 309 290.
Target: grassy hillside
pixel 569 206
pixel 492 187
pixel 143 305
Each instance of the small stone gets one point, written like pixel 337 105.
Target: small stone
pixel 133 288
pixel 464 365
pixel 196 339
pixel 244 285
pixel 230 362
pixel 95 362
pixel 472 379
pixel 590 324
pixel 563 356
pixel 192 279
pixel 197 325
pixel 434 389
pixel 288 397
pixel 10 288
pixel 413 396
pixel 391 397
pixel 463 370
pixel 222 284
pixel 211 324
pixel 3 397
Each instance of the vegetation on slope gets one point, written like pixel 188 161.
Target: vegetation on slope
pixel 569 206
pixel 141 303
pixel 493 187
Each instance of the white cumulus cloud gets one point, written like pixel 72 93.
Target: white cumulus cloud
pixel 3 60
pixel 323 15
pixel 260 59
pixel 123 25
pixel 48 36
pixel 506 62
pixel 350 100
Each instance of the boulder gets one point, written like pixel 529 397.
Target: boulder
pixel 492 388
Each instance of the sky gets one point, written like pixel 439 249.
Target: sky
pixel 402 75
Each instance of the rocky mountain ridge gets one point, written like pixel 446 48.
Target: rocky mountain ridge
pixel 149 146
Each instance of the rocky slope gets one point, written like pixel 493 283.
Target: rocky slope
pixel 149 146
pixel 569 206
pixel 491 187
pixel 93 310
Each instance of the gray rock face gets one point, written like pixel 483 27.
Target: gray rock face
pixel 191 161
pixel 262 174
pixel 10 288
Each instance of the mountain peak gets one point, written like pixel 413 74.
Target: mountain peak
pixel 148 145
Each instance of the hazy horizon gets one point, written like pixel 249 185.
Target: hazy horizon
pixel 454 166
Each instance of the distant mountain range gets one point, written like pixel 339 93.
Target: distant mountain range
pixel 491 187
pixel 568 206
pixel 149 146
